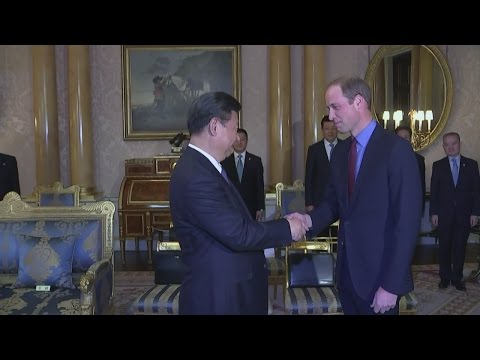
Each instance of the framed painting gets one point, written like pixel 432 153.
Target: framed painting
pixel 160 82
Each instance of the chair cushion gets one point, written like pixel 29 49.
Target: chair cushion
pixel 8 248
pixel 312 301
pixel 45 260
pixel 24 301
pixel 158 300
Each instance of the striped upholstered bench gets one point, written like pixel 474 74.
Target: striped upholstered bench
pixel 325 301
pixel 158 300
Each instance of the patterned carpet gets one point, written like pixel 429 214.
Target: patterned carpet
pixel 449 301
pixel 129 285
pixel 432 300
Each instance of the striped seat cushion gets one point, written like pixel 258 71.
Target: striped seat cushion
pixel 275 266
pixel 158 300
pixel 312 301
pixel 325 300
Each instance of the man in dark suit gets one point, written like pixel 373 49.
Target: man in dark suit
pixel 245 170
pixel 8 175
pixel 222 246
pixel 374 190
pixel 317 169
pixel 406 133
pixel 454 208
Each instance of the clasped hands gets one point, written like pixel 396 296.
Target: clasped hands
pixel 299 224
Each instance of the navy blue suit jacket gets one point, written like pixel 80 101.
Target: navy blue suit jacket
pixel 317 173
pixel 446 199
pixel 222 246
pixel 251 188
pixel 8 175
pixel 379 227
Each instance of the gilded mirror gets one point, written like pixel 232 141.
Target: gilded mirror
pixel 412 86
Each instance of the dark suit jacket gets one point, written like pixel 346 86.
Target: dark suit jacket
pixel 379 227
pixel 421 168
pixel 8 175
pixel 446 200
pixel 252 188
pixel 222 246
pixel 317 173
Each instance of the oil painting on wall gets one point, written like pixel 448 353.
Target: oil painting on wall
pixel 160 83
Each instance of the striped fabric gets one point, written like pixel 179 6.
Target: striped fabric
pixel 325 300
pixel 312 301
pixel 158 300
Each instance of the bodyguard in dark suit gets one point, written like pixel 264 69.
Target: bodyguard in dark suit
pixel 317 168
pixel 374 190
pixel 454 208
pixel 251 185
pixel 8 175
pixel 222 246
pixel 406 133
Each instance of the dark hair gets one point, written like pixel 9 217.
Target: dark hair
pixel 209 105
pixel 240 130
pixel 403 127
pixel 353 86
pixel 325 118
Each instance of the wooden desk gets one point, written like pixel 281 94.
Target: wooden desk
pixel 144 199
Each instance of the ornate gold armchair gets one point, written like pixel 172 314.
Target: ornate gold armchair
pixel 56 260
pixel 57 195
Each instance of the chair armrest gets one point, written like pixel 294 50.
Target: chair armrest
pixel 96 289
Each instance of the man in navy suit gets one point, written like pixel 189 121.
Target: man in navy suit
pixel 247 176
pixel 8 175
pixel 454 208
pixel 222 246
pixel 317 168
pixel 374 190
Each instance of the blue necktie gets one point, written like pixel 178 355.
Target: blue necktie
pixel 239 167
pixel 455 171
pixel 330 153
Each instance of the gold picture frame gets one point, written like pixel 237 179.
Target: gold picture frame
pixel 160 82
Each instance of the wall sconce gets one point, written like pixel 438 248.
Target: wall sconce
pixel 385 117
pixel 429 118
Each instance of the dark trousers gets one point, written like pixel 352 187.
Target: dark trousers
pixel 453 234
pixel 352 303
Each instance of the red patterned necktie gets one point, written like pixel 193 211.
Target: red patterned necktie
pixel 352 164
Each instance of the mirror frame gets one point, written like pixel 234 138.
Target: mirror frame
pixel 385 50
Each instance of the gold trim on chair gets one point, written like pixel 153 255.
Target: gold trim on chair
pixel 57 195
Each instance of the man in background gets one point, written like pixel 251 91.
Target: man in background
pixel 406 133
pixel 8 175
pixel 317 169
pixel 454 208
pixel 245 170
pixel 222 245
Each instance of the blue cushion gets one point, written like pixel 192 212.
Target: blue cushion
pixel 45 260
pixel 8 247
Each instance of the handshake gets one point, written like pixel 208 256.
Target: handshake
pixel 299 224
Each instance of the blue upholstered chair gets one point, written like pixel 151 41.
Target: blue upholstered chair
pixel 57 195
